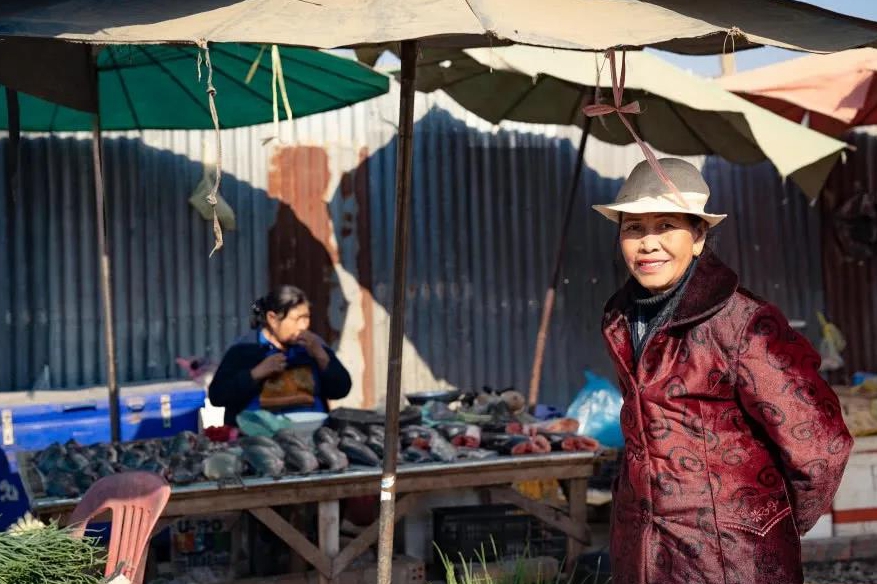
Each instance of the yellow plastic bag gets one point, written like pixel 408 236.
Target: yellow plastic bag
pixel 831 346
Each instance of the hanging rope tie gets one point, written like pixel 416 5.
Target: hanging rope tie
pixel 211 98
pixel 278 81
pixel 632 108
pixel 733 33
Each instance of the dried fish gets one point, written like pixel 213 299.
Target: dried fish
pixel 376 432
pixel 416 455
pixel 376 446
pixel 441 448
pixel 132 459
pixel 300 460
pixel 262 442
pixel 48 459
pixel 103 468
pixel 188 471
pixel 286 436
pixel 73 462
pixel 469 438
pixel 223 466
pixel 353 433
pixel 502 443
pixel 182 443
pixel 451 430
pixel 155 465
pixel 60 484
pixel 415 434
pixel 475 454
pixel 263 460
pixel 325 434
pixel 106 452
pixel 358 453
pixel 330 457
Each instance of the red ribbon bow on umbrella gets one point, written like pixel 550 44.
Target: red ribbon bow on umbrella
pixel 602 109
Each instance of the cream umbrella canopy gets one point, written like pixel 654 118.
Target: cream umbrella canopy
pixel 682 114
pixel 688 26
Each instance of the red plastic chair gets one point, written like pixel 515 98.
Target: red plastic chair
pixel 135 501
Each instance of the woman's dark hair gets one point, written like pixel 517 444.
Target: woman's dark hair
pixel 280 301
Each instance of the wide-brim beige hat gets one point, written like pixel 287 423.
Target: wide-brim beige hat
pixel 645 192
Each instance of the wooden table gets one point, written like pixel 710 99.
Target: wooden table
pixel 261 496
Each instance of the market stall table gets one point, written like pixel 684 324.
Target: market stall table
pixel 260 496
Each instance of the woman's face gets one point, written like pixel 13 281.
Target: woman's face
pixel 659 247
pixel 286 329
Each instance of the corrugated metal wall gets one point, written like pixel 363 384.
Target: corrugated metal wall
pixel 851 286
pixel 486 216
pixel 170 300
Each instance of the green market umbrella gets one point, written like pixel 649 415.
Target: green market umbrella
pixel 157 87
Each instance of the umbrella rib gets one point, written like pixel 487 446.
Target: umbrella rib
pixel 292 59
pixel 486 71
pixel 237 81
pixel 580 102
pixel 286 78
pixel 706 147
pixel 125 91
pixel 182 86
pixel 122 65
pixel 335 73
pixel 520 99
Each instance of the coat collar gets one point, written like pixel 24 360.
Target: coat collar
pixel 711 286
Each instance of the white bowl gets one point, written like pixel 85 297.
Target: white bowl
pixel 304 424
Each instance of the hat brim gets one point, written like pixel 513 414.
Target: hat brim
pixel 613 212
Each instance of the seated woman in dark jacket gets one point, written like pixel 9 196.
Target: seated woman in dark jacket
pixel 280 366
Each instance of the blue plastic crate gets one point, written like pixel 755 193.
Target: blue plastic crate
pixel 159 410
pixel 33 421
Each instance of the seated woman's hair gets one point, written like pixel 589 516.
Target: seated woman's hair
pixel 279 301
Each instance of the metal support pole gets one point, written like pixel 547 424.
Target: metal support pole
pixel 397 323
pixel 105 280
pixel 551 293
pixel 13 164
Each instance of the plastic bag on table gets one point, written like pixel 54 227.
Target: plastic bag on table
pixel 831 345
pixel 597 407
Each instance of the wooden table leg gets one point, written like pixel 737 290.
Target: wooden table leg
pixel 329 530
pixel 578 513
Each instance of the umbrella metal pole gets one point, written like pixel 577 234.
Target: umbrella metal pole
pixel 387 520
pixel 551 293
pixel 105 287
pixel 13 162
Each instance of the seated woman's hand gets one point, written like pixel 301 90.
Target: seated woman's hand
pixel 269 367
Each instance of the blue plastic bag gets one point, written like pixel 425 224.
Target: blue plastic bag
pixel 597 407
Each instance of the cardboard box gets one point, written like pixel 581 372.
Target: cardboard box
pixel 202 545
pixel 859 411
pixel 855 506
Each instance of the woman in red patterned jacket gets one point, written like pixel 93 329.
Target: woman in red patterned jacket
pixel 734 444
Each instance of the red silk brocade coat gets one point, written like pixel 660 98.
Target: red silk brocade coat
pixel 734 445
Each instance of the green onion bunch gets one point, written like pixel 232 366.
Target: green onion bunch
pixel 50 554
